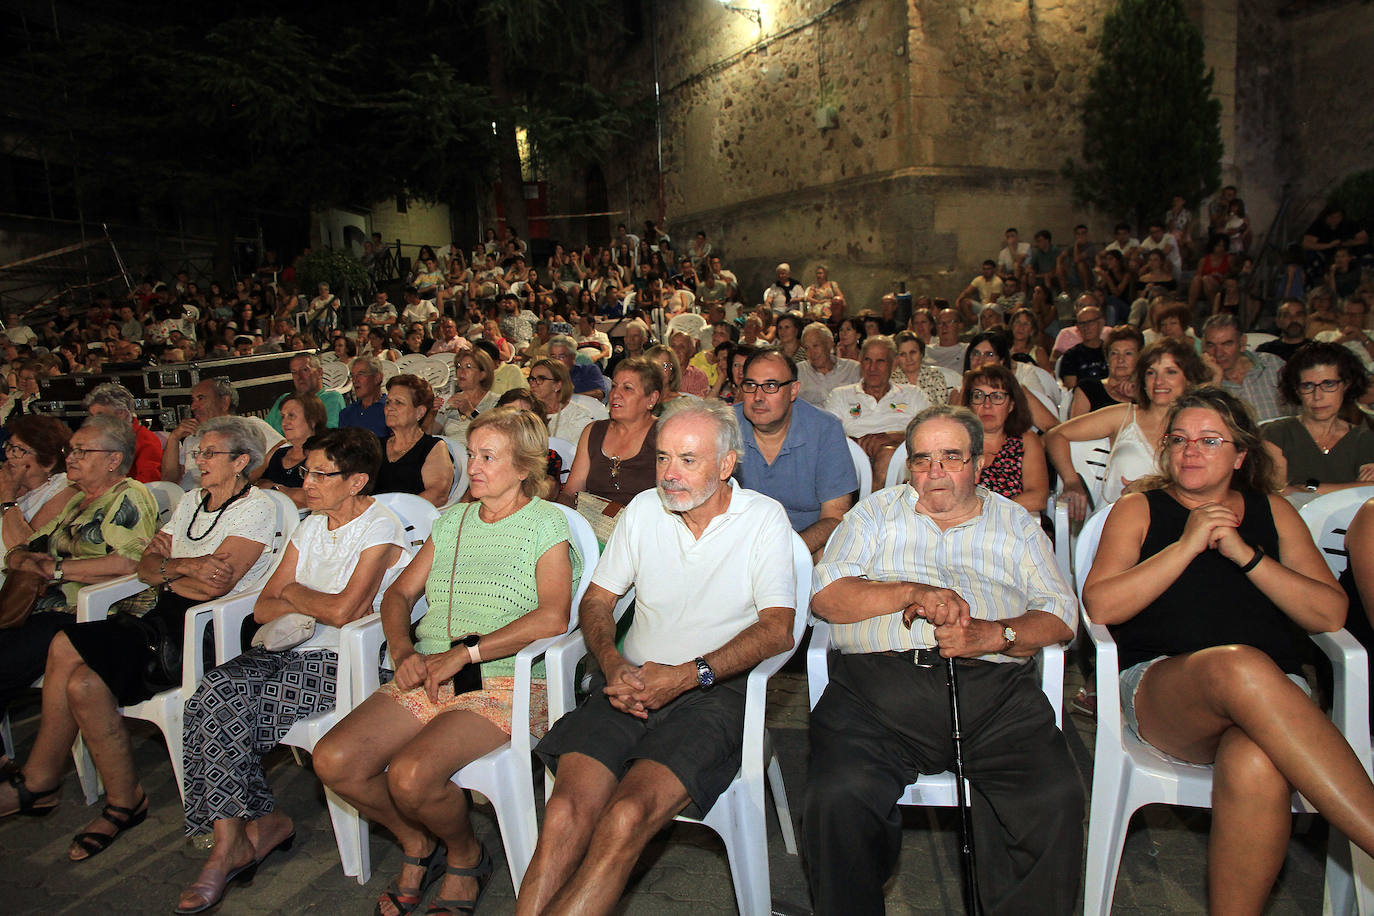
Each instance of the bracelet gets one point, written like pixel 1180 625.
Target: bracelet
pixel 474 654
pixel 163 570
pixel 1254 561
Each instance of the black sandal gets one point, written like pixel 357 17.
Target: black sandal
pixel 481 871
pixel 433 864
pixel 28 801
pixel 95 843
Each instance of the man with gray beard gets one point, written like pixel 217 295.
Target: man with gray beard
pixel 661 732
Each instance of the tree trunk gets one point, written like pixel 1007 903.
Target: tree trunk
pixel 508 154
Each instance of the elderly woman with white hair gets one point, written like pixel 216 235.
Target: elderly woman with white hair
pixel 112 399
pixel 784 291
pixel 212 546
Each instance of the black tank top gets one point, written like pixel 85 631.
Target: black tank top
pixel 277 472
pixel 1212 603
pixel 403 475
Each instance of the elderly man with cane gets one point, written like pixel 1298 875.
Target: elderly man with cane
pixel 918 583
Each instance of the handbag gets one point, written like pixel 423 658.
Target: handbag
pixel 162 668
pixel 286 632
pixel 600 513
pixel 18 595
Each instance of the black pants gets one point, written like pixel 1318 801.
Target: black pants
pixel 24 652
pixel 881 722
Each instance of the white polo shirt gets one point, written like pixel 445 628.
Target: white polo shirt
pixel 693 595
pixel 863 414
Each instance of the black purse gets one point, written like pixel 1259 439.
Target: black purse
pixel 162 662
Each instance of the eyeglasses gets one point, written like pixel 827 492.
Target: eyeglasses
pixel 199 453
pixel 15 450
pixel 1326 384
pixel 994 397
pixel 771 386
pixel 949 461
pixel 541 378
pixel 1206 443
pixel 308 473
pixel 80 453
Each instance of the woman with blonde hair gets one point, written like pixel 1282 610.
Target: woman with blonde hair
pixel 475 373
pixel 498 575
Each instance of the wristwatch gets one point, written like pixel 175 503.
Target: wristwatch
pixel 57 570
pixel 470 641
pixel 705 676
pixel 1010 636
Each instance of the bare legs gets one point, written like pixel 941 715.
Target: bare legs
pixel 76 699
pixel 587 808
pixel 1233 707
pixel 414 798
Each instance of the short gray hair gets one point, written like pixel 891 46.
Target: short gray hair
pixel 112 395
pixel 223 388
pixel 241 436
pixel 372 363
pixel 879 340
pixel 818 329
pixel 728 438
pixel 116 435
pixel 1222 320
pixel 962 415
pixel 563 340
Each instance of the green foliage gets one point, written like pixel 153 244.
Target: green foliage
pixel 1151 128
pixel 335 266
pixel 1356 195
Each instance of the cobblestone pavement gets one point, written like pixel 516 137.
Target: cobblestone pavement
pixel 684 871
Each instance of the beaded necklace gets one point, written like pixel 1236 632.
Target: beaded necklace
pixel 205 504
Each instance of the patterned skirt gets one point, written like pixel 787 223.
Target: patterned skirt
pixel 493 702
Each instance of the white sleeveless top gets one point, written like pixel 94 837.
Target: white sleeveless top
pixel 1132 456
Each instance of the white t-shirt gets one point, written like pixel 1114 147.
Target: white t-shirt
pixel 326 559
pixel 951 357
pixel 1006 260
pixel 423 310
pixel 190 474
pixel 863 414
pixel 197 532
pixel 692 595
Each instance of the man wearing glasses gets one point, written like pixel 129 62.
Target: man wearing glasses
pixel 368 409
pixel 214 397
pixel 793 452
pixel 1087 359
pixel 913 575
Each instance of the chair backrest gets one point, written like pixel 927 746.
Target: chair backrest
pixel 415 512
pixel 459 453
pixel 1254 338
pixel 413 364
pixel 389 371
pixel 690 323
pixel 336 376
pixel 439 372
pixel 953 378
pixel 1090 461
pixel 584 541
pixel 594 407
pixel 566 451
pixel 862 467
pixel 288 517
pixel 1086 548
pixel 896 468
pixel 1328 516
pixel 167 495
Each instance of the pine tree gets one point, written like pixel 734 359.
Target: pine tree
pixel 1151 128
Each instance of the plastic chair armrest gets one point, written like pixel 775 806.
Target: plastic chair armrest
pixel 229 615
pixel 560 667
pixel 1108 677
pixel 818 661
pixel 1350 688
pixel 93 602
pixel 199 619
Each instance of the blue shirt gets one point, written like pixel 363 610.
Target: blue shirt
pixel 588 377
pixel 812 467
pixel 373 418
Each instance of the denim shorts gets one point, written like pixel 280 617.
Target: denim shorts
pixel 1130 683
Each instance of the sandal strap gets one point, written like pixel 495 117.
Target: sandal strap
pixel 484 867
pixel 94 843
pixel 127 814
pixel 26 796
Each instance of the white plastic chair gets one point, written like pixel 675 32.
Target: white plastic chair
pixel 167 495
pixel 953 378
pixel 504 775
pixel 336 376
pixel 389 371
pixel 1129 774
pixel 738 815
pixel 459 453
pixel 863 467
pixel 594 407
pixel 413 364
pixel 896 468
pixel 1328 516
pixel 165 709
pixel 439 373
pixel 1090 462
pixel 566 452
pixel 1254 338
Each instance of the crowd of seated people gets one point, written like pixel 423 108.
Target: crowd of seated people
pixel 1138 341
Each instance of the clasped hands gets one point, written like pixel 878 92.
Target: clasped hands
pixel 639 689
pixel 1212 526
pixel 431 670
pixel 957 633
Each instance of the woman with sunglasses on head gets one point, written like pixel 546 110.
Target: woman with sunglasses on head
pixel 302 416
pixel 213 545
pixel 334 568
pixel 1208 581
pixel 1013 458
pixel 1321 450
